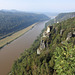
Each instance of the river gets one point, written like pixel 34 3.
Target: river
pixel 12 51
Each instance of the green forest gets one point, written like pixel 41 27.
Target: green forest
pixel 11 22
pixel 61 17
pixel 58 58
pixel 64 16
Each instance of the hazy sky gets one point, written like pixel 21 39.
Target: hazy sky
pixel 39 5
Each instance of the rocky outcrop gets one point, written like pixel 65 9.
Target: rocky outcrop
pixel 41 47
pixel 46 38
pixel 44 34
pixel 38 51
pixel 47 32
pixel 49 28
pixel 70 34
pixel 44 42
pixel 61 32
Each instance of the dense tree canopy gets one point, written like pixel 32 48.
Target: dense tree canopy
pixel 61 17
pixel 56 59
pixel 64 16
pixel 13 21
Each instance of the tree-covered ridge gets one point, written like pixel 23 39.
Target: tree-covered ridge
pixel 64 16
pixel 13 21
pixel 61 17
pixel 58 58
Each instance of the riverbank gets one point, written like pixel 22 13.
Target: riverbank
pixel 12 51
pixel 14 36
pixel 53 54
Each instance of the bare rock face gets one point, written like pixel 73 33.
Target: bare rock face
pixel 44 34
pixel 42 45
pixel 61 32
pixel 47 32
pixel 38 51
pixel 69 36
pixel 49 28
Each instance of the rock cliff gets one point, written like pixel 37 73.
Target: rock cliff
pixel 44 39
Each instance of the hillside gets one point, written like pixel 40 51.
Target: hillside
pixel 61 17
pixel 12 21
pixel 64 16
pixel 52 54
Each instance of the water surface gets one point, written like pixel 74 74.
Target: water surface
pixel 12 51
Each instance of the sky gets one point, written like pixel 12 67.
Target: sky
pixel 39 5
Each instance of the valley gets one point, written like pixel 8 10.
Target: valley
pixel 12 51
pixel 14 36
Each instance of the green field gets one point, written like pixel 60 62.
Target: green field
pixel 14 36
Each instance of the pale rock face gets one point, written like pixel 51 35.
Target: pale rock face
pixel 38 51
pixel 69 36
pixel 61 31
pixel 44 34
pixel 43 43
pixel 73 34
pixel 48 29
pixel 42 46
pixel 57 21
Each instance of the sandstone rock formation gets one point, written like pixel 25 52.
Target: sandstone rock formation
pixel 69 36
pixel 44 43
pixel 61 32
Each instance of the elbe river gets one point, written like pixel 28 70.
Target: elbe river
pixel 12 51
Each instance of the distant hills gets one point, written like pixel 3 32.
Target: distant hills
pixel 64 16
pixel 12 21
pixel 50 14
pixel 61 17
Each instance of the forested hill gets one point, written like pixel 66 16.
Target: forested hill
pixel 53 54
pixel 64 16
pixel 61 17
pixel 13 21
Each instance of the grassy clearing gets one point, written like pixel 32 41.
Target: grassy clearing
pixel 14 36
